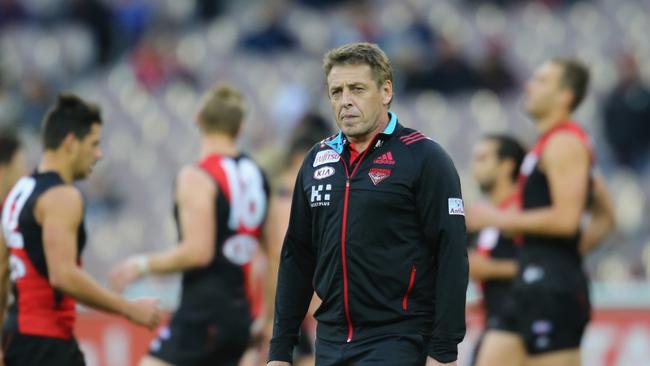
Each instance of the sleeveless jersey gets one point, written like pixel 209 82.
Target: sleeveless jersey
pixel 493 244
pixel 38 309
pixel 225 285
pixel 555 259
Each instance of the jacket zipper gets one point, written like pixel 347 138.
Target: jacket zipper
pixel 405 300
pixel 346 198
pixel 343 259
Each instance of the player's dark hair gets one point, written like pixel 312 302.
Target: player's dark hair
pixel 9 145
pixel 70 114
pixel 509 148
pixel 575 77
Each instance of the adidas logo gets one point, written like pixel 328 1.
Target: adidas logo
pixel 386 159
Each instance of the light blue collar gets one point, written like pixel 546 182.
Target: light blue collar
pixel 390 128
pixel 338 143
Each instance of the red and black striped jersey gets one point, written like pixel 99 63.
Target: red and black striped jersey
pixel 494 244
pixel 38 309
pixel 551 258
pixel 241 209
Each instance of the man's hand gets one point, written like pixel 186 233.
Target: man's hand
pixel 261 332
pixel 432 362
pixel 278 363
pixel 123 275
pixel 144 312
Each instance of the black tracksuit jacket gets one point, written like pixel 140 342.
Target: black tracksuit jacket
pixel 382 241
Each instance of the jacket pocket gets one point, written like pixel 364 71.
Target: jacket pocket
pixel 405 299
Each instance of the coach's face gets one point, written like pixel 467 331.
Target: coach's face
pixel 544 91
pixel 358 102
pixel 88 153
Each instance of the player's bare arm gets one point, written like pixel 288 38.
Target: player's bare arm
pixel 484 268
pixel 195 194
pixel 4 285
pixel 273 236
pixel 566 163
pixel 60 212
pixel 602 221
pixel 4 279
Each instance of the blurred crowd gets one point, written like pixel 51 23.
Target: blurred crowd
pixel 459 67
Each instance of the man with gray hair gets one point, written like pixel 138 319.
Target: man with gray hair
pixel 377 230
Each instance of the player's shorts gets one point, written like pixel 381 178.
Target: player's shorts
pixel 198 341
pixel 547 319
pixel 26 350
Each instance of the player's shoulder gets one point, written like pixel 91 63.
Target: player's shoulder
pixel 255 168
pixel 572 133
pixel 60 200
pixel 567 136
pixel 63 193
pixel 251 160
pixel 566 143
pixel 192 176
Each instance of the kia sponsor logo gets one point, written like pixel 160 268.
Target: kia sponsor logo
pixel 324 172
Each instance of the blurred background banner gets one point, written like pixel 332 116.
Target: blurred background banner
pixel 460 69
pixel 106 340
pixel 616 337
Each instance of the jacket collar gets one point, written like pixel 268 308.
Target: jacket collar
pixel 339 141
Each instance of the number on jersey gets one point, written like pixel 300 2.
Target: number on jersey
pixel 13 207
pixel 247 195
pixel 10 215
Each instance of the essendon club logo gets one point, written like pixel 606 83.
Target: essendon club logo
pixel 378 174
